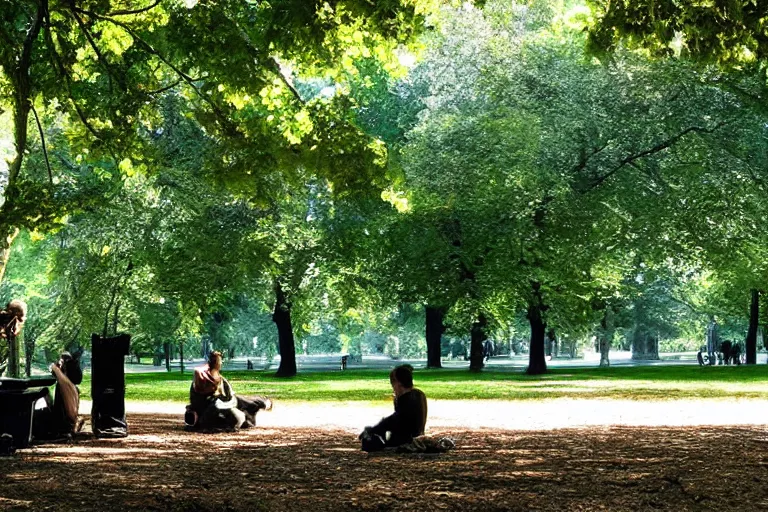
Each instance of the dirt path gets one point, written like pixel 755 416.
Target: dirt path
pixel 161 467
pixel 506 415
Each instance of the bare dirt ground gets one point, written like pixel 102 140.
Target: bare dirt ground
pixel 617 468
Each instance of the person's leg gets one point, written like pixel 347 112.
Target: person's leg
pixel 372 443
pixel 211 419
pixel 250 406
pixel 42 419
pixel 260 402
pixel 234 418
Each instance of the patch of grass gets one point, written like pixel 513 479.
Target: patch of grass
pixel 637 383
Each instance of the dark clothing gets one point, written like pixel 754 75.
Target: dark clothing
pixel 222 409
pixel 407 422
pixel 51 421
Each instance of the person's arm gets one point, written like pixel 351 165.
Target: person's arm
pixel 67 392
pixel 227 400
pixel 204 383
pixel 391 423
pixel 387 424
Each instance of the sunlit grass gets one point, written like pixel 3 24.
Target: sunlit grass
pixel 638 383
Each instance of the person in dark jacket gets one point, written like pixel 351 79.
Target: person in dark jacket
pixel 408 420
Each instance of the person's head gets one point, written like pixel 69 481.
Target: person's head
pixel 401 378
pixel 13 316
pixel 70 366
pixel 18 308
pixel 214 360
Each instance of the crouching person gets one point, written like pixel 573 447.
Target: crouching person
pixel 213 403
pixel 58 419
pixel 408 420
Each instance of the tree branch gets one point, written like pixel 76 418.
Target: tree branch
pixel 584 160
pixel 64 74
pixel 184 76
pixel 65 161
pixel 275 66
pixel 42 140
pixel 135 11
pixel 653 150
pixel 163 89
pixel 20 79
pixel 99 55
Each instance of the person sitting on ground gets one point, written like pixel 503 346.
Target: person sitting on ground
pixel 58 419
pixel 408 420
pixel 213 403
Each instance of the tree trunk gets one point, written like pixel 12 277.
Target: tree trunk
pixel 282 318
pixel 477 338
pixel 181 355
pixel 537 363
pixel 765 338
pixel 167 350
pixel 5 250
pixel 645 346
pixel 5 254
pixel 13 356
pixel 29 353
pixel 754 311
pixel 434 333
pixel 22 88
pixel 605 336
pixel 116 319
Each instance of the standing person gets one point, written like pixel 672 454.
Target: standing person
pixel 712 340
pixel 408 420
pixel 11 321
pixel 488 350
pixel 213 403
pixel 58 418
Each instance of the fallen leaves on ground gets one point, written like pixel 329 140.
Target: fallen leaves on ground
pixel 162 467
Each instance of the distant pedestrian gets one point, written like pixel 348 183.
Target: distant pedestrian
pixel 712 340
pixel 488 350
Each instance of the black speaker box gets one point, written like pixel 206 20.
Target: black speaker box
pixel 108 385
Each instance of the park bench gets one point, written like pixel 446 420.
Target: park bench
pixel 17 406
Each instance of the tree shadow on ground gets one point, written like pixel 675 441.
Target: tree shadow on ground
pixel 162 467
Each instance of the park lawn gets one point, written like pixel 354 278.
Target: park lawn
pixel 637 383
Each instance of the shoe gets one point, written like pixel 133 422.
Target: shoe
pixel 446 443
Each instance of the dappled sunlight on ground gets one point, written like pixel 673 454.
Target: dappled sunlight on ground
pixel 162 467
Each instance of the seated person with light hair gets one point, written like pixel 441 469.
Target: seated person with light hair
pixel 408 420
pixel 213 404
